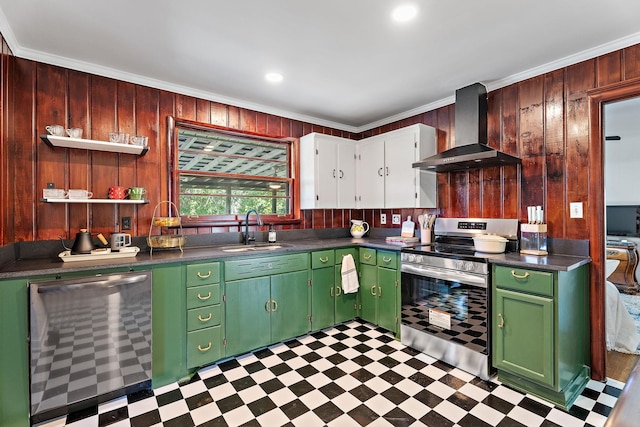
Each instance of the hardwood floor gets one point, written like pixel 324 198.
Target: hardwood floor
pixel 620 365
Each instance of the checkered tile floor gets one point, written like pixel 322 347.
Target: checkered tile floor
pixel 349 375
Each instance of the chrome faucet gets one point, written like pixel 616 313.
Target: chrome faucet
pixel 246 239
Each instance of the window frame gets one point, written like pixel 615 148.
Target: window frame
pixel 175 124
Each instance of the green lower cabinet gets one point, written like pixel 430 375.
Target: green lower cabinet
pixel 527 354
pixel 203 346
pixel 290 305
pixel 323 298
pixel 247 323
pixel 379 292
pixel 264 310
pixel 344 304
pixel 540 324
pixel 387 284
pixel 368 293
pixel 14 356
pixel 169 325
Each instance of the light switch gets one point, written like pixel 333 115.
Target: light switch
pixel 575 210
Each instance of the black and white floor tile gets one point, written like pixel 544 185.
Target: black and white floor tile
pixel 351 375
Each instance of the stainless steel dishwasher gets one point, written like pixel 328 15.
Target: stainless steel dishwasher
pixel 90 341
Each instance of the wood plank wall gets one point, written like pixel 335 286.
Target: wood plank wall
pixel 543 120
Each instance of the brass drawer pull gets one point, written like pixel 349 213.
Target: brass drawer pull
pixel 207 348
pixel 203 319
pixel 380 291
pixel 386 260
pixel 204 276
pixel 266 306
pixel 501 324
pixel 331 292
pixel 373 290
pixel 201 298
pixel 524 276
pixel 338 291
pixel 274 304
pixel 366 256
pixel 324 259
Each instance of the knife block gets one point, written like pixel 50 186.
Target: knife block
pixel 533 239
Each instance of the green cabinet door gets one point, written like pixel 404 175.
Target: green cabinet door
pixel 345 304
pixel 387 283
pixel 14 356
pixel 169 325
pixel 322 298
pixel 289 305
pixel 368 292
pixel 247 319
pixel 523 335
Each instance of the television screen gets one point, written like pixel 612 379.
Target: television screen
pixel 623 220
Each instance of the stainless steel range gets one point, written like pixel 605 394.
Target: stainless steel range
pixel 446 292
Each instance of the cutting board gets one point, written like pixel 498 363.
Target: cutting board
pixel 408 228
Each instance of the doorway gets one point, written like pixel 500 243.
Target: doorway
pixel 596 223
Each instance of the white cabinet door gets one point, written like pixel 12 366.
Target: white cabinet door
pixel 346 174
pixel 327 172
pixel 370 166
pixel 400 177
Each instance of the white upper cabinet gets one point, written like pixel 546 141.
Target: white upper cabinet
pixel 327 172
pixel 386 177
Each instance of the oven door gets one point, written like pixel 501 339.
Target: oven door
pixel 451 305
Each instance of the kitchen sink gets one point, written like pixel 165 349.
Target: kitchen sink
pixel 250 248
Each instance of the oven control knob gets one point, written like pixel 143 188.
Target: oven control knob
pixel 458 265
pixel 419 259
pixel 469 266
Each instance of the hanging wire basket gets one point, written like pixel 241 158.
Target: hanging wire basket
pixel 166 241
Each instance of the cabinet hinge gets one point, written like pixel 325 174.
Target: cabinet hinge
pixel 416 195
pixel 316 151
pixel 317 197
pixel 224 298
pixel 310 282
pixel 415 144
pixel 310 319
pixel 224 342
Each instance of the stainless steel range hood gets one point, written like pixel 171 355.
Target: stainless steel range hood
pixel 471 150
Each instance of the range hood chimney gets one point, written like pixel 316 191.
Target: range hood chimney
pixel 471 150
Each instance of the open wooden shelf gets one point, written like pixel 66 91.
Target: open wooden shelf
pixel 104 201
pixel 90 144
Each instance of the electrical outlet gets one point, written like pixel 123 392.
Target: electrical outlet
pixel 395 219
pixel 126 223
pixel 575 210
pixel 383 219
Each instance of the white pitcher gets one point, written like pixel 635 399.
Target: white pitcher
pixel 358 228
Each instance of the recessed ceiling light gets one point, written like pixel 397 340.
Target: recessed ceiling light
pixel 404 13
pixel 273 77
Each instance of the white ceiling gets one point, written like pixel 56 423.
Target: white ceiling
pixel 345 63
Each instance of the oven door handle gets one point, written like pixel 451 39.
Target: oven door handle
pixel 447 275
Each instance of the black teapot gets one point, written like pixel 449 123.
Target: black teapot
pixel 83 243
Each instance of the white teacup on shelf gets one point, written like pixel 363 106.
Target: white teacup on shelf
pixel 55 130
pixel 74 132
pixel 54 193
pixel 79 194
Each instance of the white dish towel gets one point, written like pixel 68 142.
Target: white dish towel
pixel 349 275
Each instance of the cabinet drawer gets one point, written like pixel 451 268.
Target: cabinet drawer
pixel 387 259
pixel 321 259
pixel 204 346
pixel 198 318
pixel 200 296
pixel 256 267
pixel 524 280
pixel 202 274
pixel 367 256
pixel 340 253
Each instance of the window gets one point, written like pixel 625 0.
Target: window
pixel 219 174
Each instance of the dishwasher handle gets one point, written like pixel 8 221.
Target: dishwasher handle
pixel 109 282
